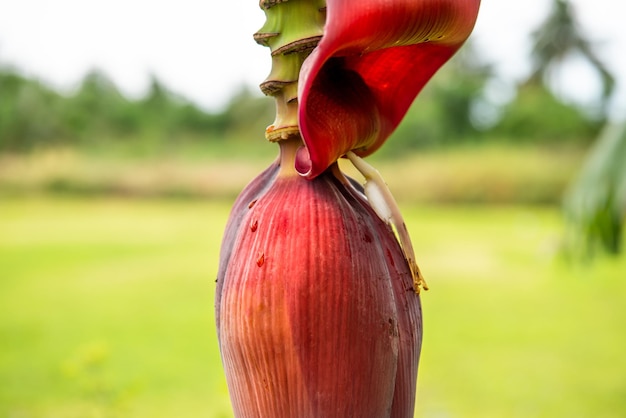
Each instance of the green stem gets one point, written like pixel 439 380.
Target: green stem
pixel 291 31
pixel 292 24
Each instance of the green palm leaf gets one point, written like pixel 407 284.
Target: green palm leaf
pixel 595 204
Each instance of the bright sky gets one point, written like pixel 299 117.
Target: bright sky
pixel 203 49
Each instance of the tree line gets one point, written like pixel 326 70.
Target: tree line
pixel 34 115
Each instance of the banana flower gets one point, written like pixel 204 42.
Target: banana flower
pixel 317 305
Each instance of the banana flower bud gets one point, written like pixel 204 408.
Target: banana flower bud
pixel 316 311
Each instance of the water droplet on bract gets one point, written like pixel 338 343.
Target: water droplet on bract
pixel 260 260
pixel 252 204
pixel 254 225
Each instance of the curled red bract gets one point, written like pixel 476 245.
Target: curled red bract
pixel 373 59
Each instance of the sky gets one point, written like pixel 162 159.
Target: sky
pixel 204 50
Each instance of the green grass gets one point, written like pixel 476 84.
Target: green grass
pixel 106 310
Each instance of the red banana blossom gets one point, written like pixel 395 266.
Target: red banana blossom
pixel 316 305
pixel 315 308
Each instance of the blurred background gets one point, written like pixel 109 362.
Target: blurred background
pixel 127 129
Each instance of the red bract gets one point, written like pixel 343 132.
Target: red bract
pixel 373 59
pixel 316 312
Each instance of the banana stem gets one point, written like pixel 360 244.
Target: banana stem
pixel 291 30
pixel 384 204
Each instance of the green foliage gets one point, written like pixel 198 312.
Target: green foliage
pixel 34 116
pixel 97 109
pixel 247 115
pixel 596 203
pixel 536 115
pixel 29 112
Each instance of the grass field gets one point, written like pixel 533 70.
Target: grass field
pixel 106 310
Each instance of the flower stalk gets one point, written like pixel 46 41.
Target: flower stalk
pixel 292 30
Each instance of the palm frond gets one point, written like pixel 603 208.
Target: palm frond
pixel 595 204
pixel 560 36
